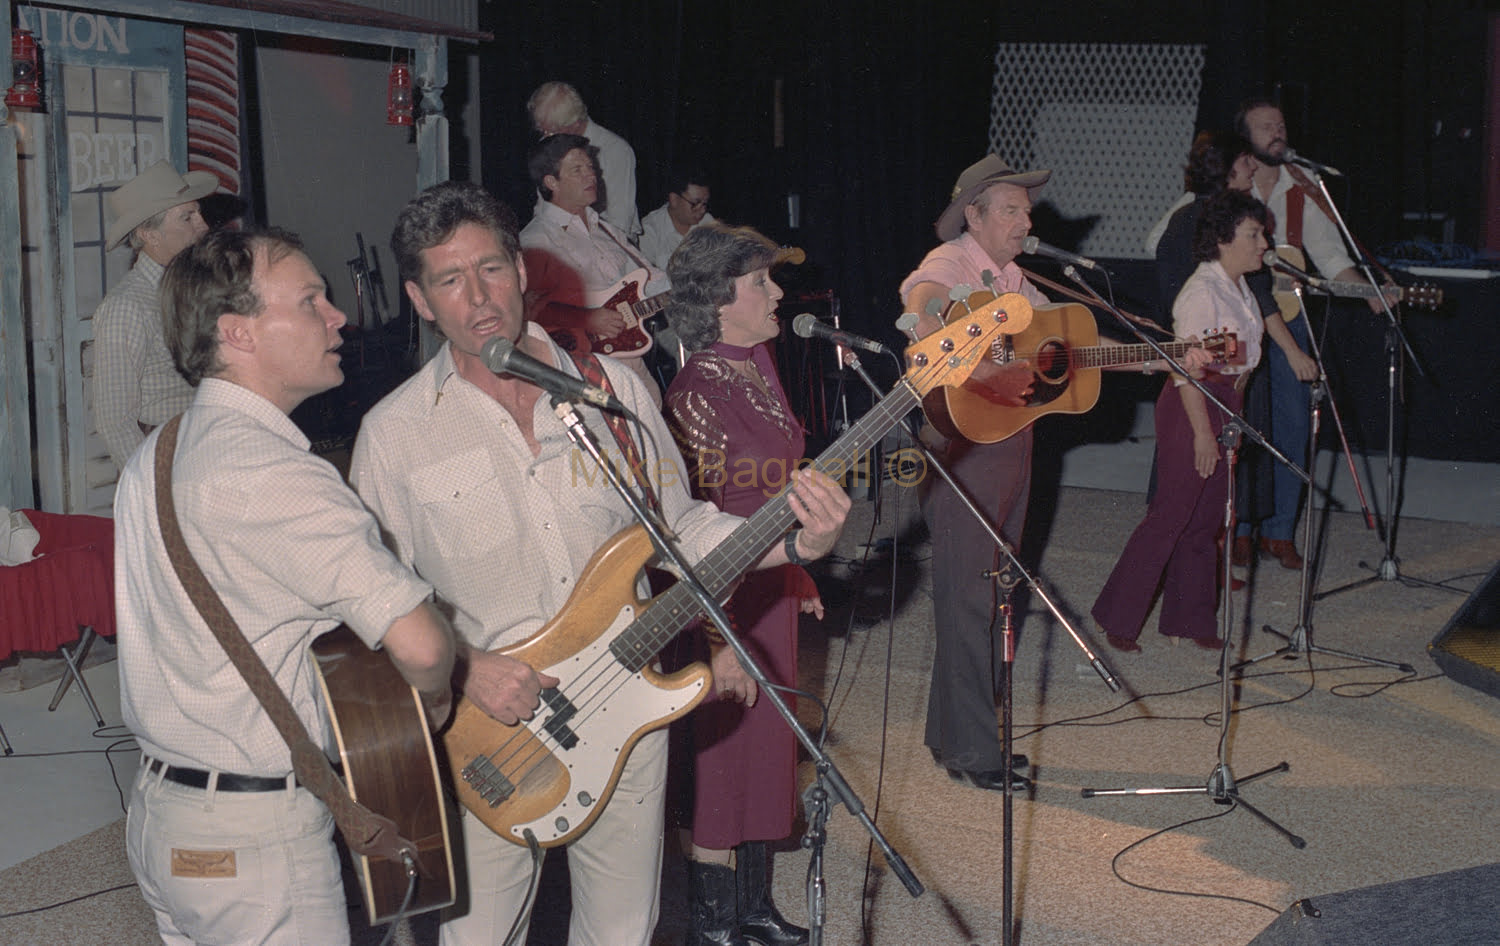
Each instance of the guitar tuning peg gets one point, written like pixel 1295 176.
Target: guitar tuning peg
pixel 988 278
pixel 960 291
pixel 934 307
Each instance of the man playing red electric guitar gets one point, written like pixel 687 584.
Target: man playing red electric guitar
pixel 572 255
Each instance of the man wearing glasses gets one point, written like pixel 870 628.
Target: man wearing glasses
pixel 667 225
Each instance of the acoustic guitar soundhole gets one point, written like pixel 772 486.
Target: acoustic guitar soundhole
pixel 1051 362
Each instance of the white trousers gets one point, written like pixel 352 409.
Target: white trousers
pixel 615 867
pixel 236 867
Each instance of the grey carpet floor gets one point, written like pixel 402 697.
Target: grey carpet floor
pixel 1391 776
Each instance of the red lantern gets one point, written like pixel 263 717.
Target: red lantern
pixel 25 90
pixel 398 99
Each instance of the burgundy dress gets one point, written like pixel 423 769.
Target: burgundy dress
pixel 745 760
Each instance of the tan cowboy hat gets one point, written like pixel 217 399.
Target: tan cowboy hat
pixel 155 189
pixel 975 178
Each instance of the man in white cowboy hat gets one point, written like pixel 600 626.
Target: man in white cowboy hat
pixel 983 228
pixel 136 387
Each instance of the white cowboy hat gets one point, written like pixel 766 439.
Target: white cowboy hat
pixel 154 190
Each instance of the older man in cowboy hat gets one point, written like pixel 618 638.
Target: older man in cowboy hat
pixel 136 387
pixel 982 229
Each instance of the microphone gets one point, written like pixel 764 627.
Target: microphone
pixel 501 356
pixel 1295 158
pixel 1276 262
pixel 807 325
pixel 1032 246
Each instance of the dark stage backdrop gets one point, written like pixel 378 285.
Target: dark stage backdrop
pixel 878 106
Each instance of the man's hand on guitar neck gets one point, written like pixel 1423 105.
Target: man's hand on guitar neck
pixel 502 686
pixel 1391 291
pixel 821 506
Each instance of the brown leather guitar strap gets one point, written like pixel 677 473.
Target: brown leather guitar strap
pixel 365 832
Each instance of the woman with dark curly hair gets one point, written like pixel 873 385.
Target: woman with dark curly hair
pixel 1174 547
pixel 1218 161
pixel 742 443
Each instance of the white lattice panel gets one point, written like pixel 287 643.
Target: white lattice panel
pixel 1112 122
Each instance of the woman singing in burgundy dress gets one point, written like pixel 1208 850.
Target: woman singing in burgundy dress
pixel 742 443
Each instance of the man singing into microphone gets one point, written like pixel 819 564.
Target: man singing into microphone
pixel 983 227
pixel 1301 221
pixel 478 487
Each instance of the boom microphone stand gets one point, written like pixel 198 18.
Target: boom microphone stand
pixel 1389 568
pixel 1221 785
pixel 1300 639
pixel 1007 577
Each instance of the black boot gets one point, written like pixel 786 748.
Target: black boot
pixel 760 922
pixel 712 914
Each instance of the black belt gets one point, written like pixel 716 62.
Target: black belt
pixel 228 781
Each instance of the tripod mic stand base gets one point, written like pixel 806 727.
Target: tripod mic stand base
pixel 1297 644
pixel 1221 788
pixel 1389 569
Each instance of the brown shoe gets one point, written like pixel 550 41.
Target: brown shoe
pixel 1283 550
pixel 1127 644
pixel 1240 553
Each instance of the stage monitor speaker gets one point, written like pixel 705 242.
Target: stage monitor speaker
pixel 1458 908
pixel 1468 648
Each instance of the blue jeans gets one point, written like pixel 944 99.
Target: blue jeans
pixel 1289 431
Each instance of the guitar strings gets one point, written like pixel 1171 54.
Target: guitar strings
pixel 589 689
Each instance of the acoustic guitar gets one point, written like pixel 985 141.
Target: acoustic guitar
pixel 549 777
pixel 1424 295
pixel 390 768
pixel 1062 344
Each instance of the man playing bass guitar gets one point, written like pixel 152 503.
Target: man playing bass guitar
pixel 477 485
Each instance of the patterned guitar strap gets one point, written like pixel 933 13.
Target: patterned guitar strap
pixel 593 372
pixel 366 832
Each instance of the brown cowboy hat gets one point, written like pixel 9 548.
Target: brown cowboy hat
pixel 972 182
pixel 150 192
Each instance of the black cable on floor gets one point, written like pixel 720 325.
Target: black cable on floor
pixel 63 903
pixel 1114 865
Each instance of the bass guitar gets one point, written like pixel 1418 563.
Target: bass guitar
pixel 1425 295
pixel 1062 344
pixel 548 778
pixel 390 768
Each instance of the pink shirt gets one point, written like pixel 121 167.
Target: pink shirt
pixel 964 262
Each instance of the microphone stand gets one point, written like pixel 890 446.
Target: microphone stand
pixel 830 781
pixel 1220 786
pixel 1389 568
pixel 1300 639
pixel 1007 578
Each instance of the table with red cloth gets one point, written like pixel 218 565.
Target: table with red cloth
pixel 68 585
